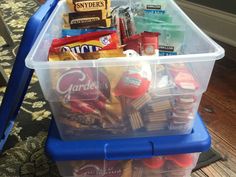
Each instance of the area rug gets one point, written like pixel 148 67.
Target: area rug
pixel 23 154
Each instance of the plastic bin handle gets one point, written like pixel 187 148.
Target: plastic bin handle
pixel 21 75
pixel 119 151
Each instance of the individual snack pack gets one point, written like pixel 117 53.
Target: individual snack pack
pixel 183 77
pixel 138 20
pixel 83 17
pixel 144 44
pixel 150 23
pixel 90 24
pixel 133 43
pixel 88 5
pixel 153 16
pixel 78 32
pixel 90 42
pixel 135 82
pixel 151 167
pixel 87 14
pixel 161 17
pixel 171 41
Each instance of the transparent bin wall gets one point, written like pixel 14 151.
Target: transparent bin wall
pixel 165 166
pixel 166 108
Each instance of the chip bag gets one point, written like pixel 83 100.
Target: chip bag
pixel 90 42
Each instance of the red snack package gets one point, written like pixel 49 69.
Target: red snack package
pixel 133 43
pixel 150 43
pixel 183 77
pixel 122 29
pixel 135 82
pixel 89 42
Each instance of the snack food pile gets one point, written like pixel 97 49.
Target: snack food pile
pixel 174 165
pixel 127 98
pixel 168 112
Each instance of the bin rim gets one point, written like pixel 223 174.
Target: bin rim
pixel 213 55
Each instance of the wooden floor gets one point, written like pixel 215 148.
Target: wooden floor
pixel 218 109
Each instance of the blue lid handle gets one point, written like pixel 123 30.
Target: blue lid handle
pixel 121 150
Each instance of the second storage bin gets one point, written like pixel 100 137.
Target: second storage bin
pixel 170 156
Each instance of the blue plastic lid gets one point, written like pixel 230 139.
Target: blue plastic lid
pixel 131 148
pixel 21 75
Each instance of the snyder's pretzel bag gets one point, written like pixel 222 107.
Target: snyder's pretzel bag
pixel 88 5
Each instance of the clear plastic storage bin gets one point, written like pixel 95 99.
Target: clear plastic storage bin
pixel 167 156
pixel 78 90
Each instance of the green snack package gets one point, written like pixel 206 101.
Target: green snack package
pixel 147 24
pixel 162 17
pixel 144 24
pixel 171 40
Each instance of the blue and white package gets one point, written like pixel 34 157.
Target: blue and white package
pixel 77 32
